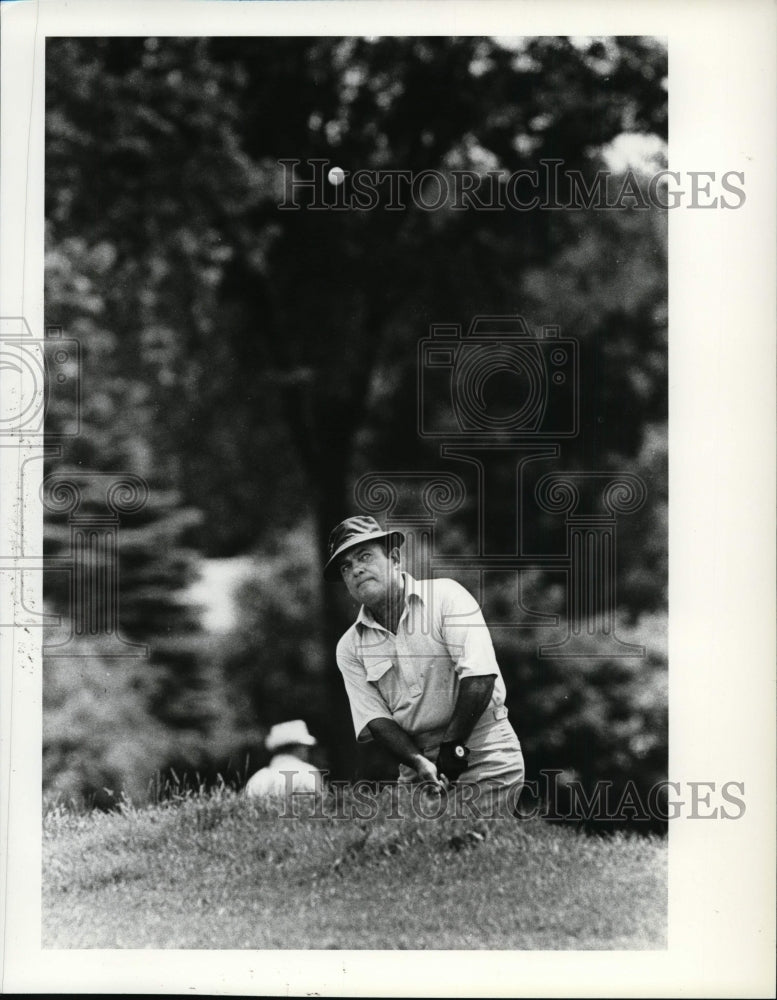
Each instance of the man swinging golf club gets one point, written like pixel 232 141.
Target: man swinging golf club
pixel 420 670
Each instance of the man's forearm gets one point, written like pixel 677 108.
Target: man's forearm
pixel 472 700
pixel 394 738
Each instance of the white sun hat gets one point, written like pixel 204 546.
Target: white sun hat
pixel 287 733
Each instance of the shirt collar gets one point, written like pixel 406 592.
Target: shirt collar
pixel 411 590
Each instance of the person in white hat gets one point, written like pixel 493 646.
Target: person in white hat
pixel 289 771
pixel 420 671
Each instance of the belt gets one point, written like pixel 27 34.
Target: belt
pixel 432 738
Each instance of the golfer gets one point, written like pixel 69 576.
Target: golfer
pixel 419 668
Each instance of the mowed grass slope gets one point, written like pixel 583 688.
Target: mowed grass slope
pixel 218 871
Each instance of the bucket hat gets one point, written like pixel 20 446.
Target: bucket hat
pixel 354 531
pixel 286 733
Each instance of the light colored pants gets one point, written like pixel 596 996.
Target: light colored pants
pixel 495 760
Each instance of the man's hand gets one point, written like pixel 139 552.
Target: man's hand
pixel 426 770
pixel 452 761
pixel 395 739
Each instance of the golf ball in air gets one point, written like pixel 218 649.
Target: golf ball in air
pixel 336 176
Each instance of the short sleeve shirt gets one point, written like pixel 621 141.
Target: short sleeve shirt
pixel 413 677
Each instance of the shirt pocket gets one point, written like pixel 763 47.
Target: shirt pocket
pixel 385 679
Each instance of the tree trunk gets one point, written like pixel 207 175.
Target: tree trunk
pixel 332 506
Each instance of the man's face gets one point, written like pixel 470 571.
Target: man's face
pixel 370 573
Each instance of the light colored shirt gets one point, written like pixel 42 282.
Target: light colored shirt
pixel 413 677
pixel 272 781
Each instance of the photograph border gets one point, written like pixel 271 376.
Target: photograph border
pixel 721 530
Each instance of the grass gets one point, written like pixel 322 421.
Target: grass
pixel 215 870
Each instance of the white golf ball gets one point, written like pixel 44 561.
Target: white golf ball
pixel 336 176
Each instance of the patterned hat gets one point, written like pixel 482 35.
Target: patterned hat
pixel 354 531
